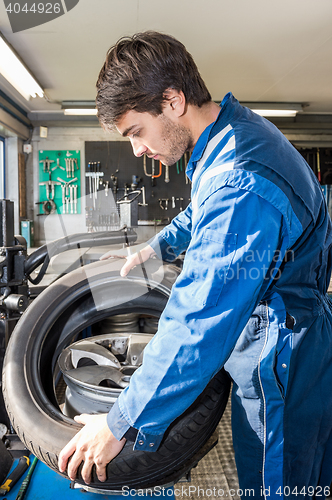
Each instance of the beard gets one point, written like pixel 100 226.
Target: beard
pixel 177 139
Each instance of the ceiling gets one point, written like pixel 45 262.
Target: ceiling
pixel 261 50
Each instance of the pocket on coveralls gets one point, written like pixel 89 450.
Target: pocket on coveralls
pixel 282 357
pixel 217 253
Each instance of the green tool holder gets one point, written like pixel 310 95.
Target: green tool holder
pixel 56 169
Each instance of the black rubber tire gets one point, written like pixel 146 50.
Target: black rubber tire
pixel 51 323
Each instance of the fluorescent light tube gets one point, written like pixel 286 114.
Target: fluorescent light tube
pixel 16 73
pixel 275 112
pixel 78 111
pixel 276 109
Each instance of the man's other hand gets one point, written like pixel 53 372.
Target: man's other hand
pixel 136 259
pixel 94 444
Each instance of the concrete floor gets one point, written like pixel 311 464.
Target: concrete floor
pixel 215 475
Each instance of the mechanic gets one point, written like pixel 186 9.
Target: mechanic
pixel 252 293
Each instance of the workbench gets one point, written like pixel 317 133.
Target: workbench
pixel 45 484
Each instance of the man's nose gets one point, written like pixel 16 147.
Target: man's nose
pixel 138 148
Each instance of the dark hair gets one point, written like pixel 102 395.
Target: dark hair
pixel 139 69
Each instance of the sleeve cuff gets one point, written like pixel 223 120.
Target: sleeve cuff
pixel 160 246
pixel 131 434
pixel 147 442
pixel 120 427
pixel 116 422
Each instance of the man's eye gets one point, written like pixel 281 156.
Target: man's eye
pixel 135 134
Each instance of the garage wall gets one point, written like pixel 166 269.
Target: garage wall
pixel 74 138
pixel 59 138
pixel 56 226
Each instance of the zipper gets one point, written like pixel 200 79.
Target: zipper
pixel 263 395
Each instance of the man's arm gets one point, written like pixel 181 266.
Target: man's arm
pixel 237 247
pixel 174 238
pixel 230 260
pixel 167 244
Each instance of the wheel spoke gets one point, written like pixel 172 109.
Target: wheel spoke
pixel 96 352
pixel 98 375
pixel 136 346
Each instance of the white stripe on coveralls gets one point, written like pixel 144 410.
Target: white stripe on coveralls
pixel 218 168
pixel 210 147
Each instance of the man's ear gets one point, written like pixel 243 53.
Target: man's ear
pixel 174 103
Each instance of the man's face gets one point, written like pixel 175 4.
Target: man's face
pixel 158 137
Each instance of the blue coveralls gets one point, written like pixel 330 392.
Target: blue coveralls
pixel 251 297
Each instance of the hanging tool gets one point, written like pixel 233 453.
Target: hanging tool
pixel 160 170
pixel 186 159
pixel 180 163
pixel 126 190
pixel 114 180
pixel 144 166
pixel 65 187
pixel 49 207
pixel 318 166
pixel 68 160
pixel 152 175
pixel 126 197
pixel 66 183
pixel 70 166
pixel 71 198
pixel 67 167
pixel 96 179
pixel 161 200
pixel 90 179
pixel 181 200
pixel 166 173
pixel 135 180
pixel 15 475
pixel 49 188
pixel 94 192
pixel 75 163
pixel 143 204
pixel 22 491
pixel 75 198
pixel 58 165
pixel 46 164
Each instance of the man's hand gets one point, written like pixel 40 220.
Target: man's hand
pixel 111 255
pixel 136 259
pixel 93 444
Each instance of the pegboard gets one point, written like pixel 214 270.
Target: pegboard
pixel 59 182
pixel 117 169
pixel 320 160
